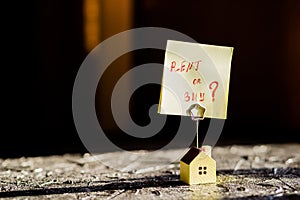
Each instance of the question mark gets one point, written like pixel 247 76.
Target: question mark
pixel 213 88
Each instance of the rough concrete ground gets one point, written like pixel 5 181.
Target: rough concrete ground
pixel 244 172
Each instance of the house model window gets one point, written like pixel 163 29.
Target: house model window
pixel 202 170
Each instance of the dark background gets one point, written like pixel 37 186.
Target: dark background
pixel 44 45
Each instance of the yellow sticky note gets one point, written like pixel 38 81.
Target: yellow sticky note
pixel 195 74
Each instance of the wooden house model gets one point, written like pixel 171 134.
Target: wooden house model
pixel 197 167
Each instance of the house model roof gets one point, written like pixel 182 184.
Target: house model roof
pixel 190 155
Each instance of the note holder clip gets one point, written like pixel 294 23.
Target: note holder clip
pixel 197 112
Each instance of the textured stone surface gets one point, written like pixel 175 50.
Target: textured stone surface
pixel 252 172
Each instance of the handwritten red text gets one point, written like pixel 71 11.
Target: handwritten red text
pixel 184 66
